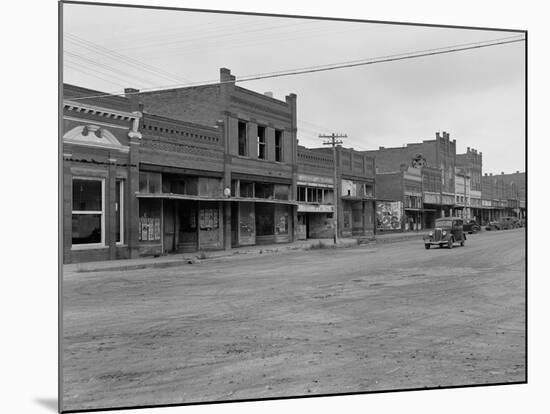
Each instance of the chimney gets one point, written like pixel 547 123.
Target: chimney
pixel 437 135
pixel 467 149
pixel 226 76
pixel 502 173
pixel 269 94
pixel 517 172
pixel 133 96
pixel 380 148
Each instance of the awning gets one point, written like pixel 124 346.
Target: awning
pixel 315 208
pixel 172 196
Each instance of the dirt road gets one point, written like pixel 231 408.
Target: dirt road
pixel 299 323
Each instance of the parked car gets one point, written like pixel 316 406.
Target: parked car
pixel 471 227
pixel 522 222
pixel 493 225
pixel 447 232
pixel 509 222
pixel 504 223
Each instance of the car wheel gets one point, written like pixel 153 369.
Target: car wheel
pixel 450 244
pixel 427 246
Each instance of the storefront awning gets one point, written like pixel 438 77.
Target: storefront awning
pixel 172 196
pixel 315 208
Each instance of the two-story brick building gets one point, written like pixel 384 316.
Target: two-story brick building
pixel 315 194
pixel 259 152
pixel 437 159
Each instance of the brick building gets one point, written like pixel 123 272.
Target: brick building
pixel 259 153
pixel 315 194
pixel 437 160
pixel 462 194
pixel 503 195
pixel 399 200
pixel 516 193
pixel 471 164
pixel 356 187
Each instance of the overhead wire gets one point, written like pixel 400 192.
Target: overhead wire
pixel 135 63
pixel 335 66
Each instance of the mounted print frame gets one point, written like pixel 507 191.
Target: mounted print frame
pixel 258 207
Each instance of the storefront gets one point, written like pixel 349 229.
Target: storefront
pixel 179 213
pixel 261 212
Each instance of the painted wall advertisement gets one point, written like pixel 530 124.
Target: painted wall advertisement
pixel 389 215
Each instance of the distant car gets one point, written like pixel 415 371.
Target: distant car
pixel 522 222
pixel 447 232
pixel 471 227
pixel 509 222
pixel 504 223
pixel 493 225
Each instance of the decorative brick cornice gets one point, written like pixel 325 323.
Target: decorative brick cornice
pixel 73 106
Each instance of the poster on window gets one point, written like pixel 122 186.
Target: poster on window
pixel 389 215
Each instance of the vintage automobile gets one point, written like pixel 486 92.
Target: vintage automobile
pixel 510 222
pixel 447 232
pixel 503 223
pixel 471 227
pixel 493 225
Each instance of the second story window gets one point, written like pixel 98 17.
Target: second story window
pixel 242 138
pixel 278 145
pixel 261 142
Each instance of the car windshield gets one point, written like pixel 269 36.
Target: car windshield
pixel 443 223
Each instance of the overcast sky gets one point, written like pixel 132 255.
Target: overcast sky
pixel 476 95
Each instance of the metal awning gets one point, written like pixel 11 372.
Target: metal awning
pixel 173 196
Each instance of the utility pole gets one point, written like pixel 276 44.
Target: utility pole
pixel 334 140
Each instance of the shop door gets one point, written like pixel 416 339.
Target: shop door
pixel 169 226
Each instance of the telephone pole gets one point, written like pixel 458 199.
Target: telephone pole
pixel 334 140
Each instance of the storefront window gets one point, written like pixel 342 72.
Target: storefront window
pixel 246 189
pixel 149 220
pixel 87 212
pixel 149 182
pixel 281 191
pixel 301 193
pixel 209 218
pixel 263 190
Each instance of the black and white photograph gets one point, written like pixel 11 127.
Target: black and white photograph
pixel 262 206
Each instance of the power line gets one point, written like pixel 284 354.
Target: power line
pixel 122 58
pixel 324 68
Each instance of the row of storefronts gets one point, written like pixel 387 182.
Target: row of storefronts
pixel 219 166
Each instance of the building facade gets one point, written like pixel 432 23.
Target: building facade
pixel 471 164
pixel 399 200
pixel 259 153
pixel 436 160
pixel 99 172
pixel 315 194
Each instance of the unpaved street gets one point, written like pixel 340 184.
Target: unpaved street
pixel 299 323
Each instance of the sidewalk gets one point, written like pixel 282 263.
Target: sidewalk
pixel 196 257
